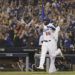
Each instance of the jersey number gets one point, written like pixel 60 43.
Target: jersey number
pixel 48 33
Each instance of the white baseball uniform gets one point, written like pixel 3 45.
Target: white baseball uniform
pixel 49 44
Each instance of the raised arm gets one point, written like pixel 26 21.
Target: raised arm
pixel 56 33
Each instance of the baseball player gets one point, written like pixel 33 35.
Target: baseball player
pixel 50 39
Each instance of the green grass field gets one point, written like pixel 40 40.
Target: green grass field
pixel 37 73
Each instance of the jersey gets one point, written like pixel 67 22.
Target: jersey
pixel 47 32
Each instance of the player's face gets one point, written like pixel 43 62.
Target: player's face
pixel 46 22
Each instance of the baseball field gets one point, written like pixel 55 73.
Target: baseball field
pixel 37 73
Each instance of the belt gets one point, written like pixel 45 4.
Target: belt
pixel 46 40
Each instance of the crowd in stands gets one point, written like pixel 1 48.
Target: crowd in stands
pixel 21 23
